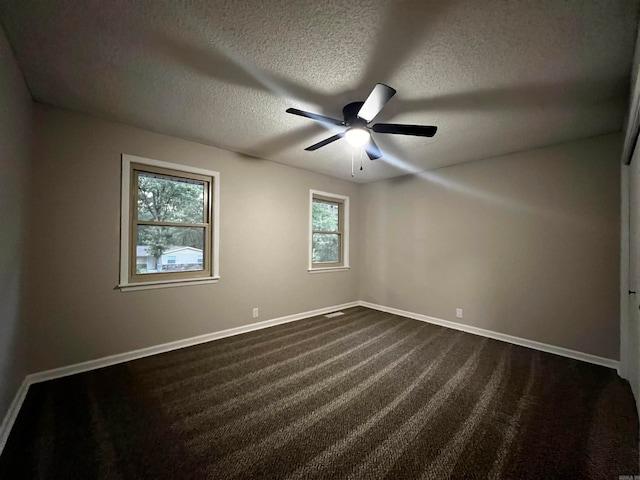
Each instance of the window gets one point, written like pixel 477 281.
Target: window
pixel 329 232
pixel 169 224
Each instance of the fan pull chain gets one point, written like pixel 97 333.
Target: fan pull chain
pixel 352 174
pixel 360 160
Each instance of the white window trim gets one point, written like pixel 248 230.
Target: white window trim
pixel 345 234
pixel 125 209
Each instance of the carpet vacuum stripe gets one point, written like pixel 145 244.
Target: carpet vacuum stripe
pixel 339 448
pixel 378 463
pixel 250 377
pixel 235 463
pixel 180 381
pixel 237 426
pixel 451 452
pixel 512 429
pixel 236 402
pixel 179 370
pixel 366 395
pixel 183 356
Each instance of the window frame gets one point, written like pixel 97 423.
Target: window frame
pixel 343 231
pixel 129 279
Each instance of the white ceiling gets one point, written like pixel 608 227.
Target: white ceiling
pixel 495 76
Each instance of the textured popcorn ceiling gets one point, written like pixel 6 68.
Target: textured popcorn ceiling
pixel 495 76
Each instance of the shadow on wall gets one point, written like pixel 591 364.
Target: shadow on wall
pixel 526 243
pixel 13 362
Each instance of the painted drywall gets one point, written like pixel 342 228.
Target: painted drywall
pixel 526 244
pixel 75 310
pixel 15 119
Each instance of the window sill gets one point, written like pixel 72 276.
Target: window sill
pixel 130 287
pixel 329 269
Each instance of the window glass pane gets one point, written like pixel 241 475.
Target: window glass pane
pixel 162 198
pixel 326 216
pixel 326 248
pixel 169 249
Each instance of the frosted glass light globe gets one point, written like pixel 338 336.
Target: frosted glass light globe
pixel 357 136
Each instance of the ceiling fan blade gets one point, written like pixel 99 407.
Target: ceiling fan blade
pixel 377 99
pixel 400 129
pixel 315 116
pixel 324 142
pixel 372 150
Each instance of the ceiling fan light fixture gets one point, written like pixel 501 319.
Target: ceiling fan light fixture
pixel 357 136
pixel 357 115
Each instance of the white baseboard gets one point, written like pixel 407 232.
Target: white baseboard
pixel 543 347
pixel 12 413
pixel 14 408
pixel 167 347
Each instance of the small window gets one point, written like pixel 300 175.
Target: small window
pixel 169 224
pixel 329 236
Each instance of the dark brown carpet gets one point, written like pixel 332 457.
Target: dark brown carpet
pixel 366 395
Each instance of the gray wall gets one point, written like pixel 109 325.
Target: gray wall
pixel 15 115
pixel 74 310
pixel 527 244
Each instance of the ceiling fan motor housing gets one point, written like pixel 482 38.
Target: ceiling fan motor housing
pixel 351 118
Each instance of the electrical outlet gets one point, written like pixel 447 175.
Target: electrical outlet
pixel 256 313
pixel 458 312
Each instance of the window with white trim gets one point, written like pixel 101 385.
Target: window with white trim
pixel 329 231
pixel 169 224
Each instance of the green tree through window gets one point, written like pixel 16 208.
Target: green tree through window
pixel 326 231
pixel 166 199
pixel 329 230
pixel 172 212
pixel 169 224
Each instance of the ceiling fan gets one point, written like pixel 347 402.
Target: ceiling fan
pixel 358 115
